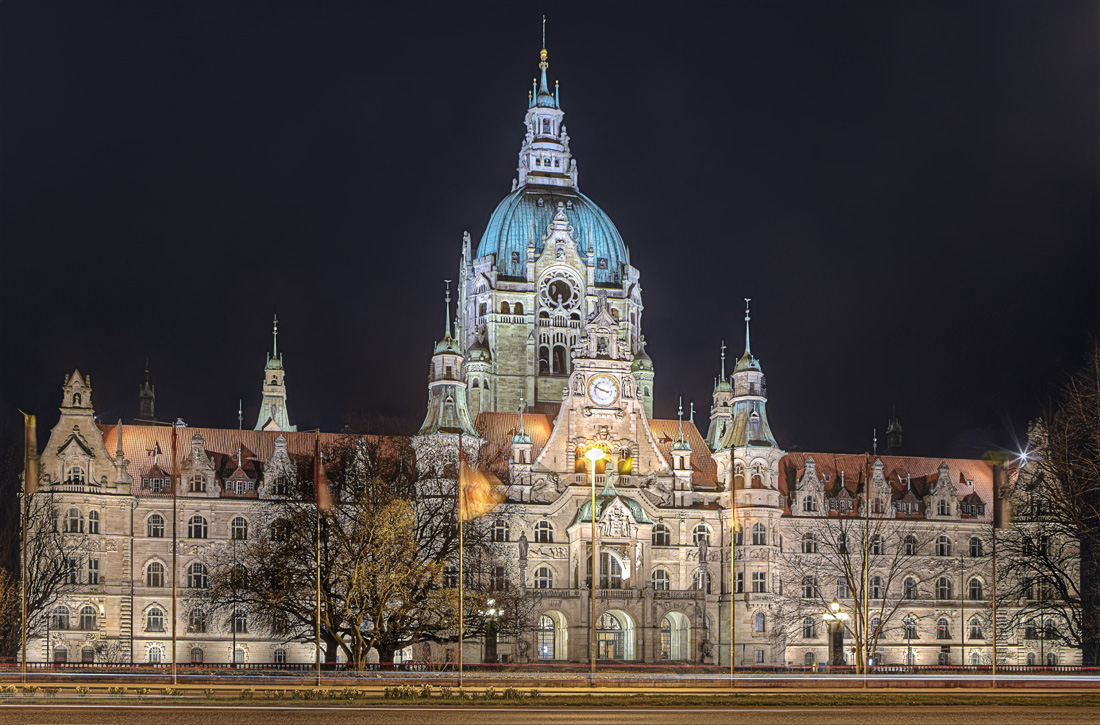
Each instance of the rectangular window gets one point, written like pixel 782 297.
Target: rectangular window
pixel 740 582
pixel 93 571
pixel 759 656
pixel 72 575
pixel 759 583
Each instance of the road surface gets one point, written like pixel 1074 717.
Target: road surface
pixel 549 715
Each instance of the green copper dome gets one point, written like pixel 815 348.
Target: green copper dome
pixel 520 216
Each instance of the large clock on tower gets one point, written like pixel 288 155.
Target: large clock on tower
pixel 603 389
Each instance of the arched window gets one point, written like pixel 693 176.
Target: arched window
pixel 759 535
pixel 909 627
pixel 877 589
pixel 74 522
pixel 239 656
pixel 561 360
pixel 156 654
pixel 196 576
pixel 660 580
pixel 808 659
pixel 662 536
pixel 88 618
pixel 738 475
pixel 842 543
pixel 505 309
pixel 546 637
pixel 60 654
pixel 500 531
pixel 154 574
pixel 196 655
pixel 517 308
pixel 93 522
pixel 975 629
pixel 76 475
pixel 60 618
pixel 476 383
pixel 701 581
pixel 809 504
pixel 196 620
pixel 279 656
pixel 1030 659
pixel 544 533
pixel 198 483
pixel 943 628
pixel 943 545
pixel 976 549
pixel 154 527
pixel 238 528
pixel 809 628
pixel 809 587
pixel 196 527
pixel 700 534
pixel 943 588
pixel 87 655
pixel 878 546
pixel 154 620
pixel 544 578
pixel 610 637
pixel 77 399
pixel 1052 659
pixel 910 545
pixel 975 587
pixel 544 360
pixel 759 623
pixel 809 544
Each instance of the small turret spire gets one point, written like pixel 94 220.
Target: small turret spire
pixel 275 338
pixel 680 416
pixel 874 440
pixel 748 350
pixel 522 403
pixel 240 413
pixel 723 376
pixel 118 453
pixel 447 299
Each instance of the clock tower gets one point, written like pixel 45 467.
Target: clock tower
pixel 602 405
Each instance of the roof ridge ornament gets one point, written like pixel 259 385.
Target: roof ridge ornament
pixel 748 350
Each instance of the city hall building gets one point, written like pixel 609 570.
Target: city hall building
pixel 546 362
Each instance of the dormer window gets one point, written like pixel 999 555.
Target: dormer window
pixel 601 263
pixel 540 203
pixel 569 205
pixel 546 125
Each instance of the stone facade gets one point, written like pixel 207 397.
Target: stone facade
pixel 547 363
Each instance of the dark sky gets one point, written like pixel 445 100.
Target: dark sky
pixel 907 191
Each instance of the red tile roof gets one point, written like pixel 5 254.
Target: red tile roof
pixel 902 472
pixel 704 470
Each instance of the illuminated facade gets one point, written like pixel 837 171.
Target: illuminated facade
pixel 547 362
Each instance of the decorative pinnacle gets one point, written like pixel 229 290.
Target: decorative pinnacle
pixel 240 413
pixel 522 405
pixel 691 418
pixel 747 317
pixel 447 298
pixel 723 360
pixel 275 337
pixel 680 415
pixel 542 54
pixel 874 440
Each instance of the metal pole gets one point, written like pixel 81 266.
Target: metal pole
pixel 317 496
pixel 594 584
pixel 175 525
pixel 994 595
pixel 461 567
pixel 24 503
pixel 733 575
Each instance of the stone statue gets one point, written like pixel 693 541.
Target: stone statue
pixel 523 547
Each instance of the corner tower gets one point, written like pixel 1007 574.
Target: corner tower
pixel 447 410
pixel 273 413
pixel 527 287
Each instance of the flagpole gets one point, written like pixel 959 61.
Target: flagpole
pixel 317 497
pixel 175 525
pixel 461 573
pixel 30 482
pixel 733 575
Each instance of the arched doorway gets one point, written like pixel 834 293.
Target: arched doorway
pixel 615 636
pixel 675 637
pixel 552 637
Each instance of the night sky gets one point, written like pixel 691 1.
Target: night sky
pixel 908 192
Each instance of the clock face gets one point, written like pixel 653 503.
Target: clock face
pixel 603 390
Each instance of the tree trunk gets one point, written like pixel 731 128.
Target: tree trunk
pixel 1090 603
pixel 386 653
pixel 331 646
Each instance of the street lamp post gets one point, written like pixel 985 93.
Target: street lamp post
pixel 593 455
pixel 835 621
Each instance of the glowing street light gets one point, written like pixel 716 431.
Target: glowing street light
pixel 834 624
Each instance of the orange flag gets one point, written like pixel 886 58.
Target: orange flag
pixel 479 492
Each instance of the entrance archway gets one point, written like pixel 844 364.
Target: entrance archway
pixel 615 635
pixel 675 637
pixel 552 637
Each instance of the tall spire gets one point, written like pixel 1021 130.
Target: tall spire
pixel 723 376
pixel 447 299
pixel 240 413
pixel 680 416
pixel 748 350
pixel 543 65
pixel 275 338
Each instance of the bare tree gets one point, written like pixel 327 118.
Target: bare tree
pixel 1049 570
pixel 875 567
pixel 385 546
